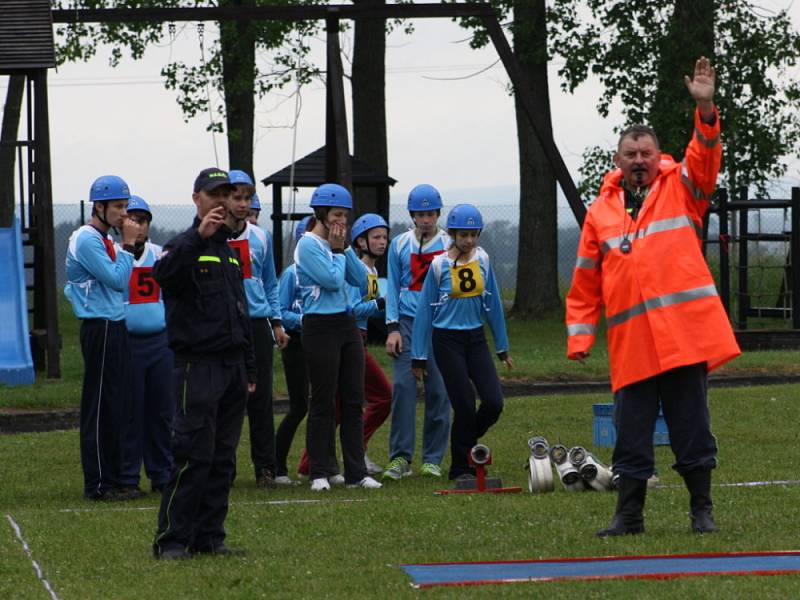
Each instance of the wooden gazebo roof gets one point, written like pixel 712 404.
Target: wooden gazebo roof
pixel 26 36
pixel 309 171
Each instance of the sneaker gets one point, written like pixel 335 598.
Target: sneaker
pixel 368 483
pixel 337 479
pixel 219 550
pixel 180 553
pixel 320 485
pixel 372 468
pixel 397 468
pixel 265 479
pixel 430 470
pixel 285 480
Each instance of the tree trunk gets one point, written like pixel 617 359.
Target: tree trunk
pixel 690 35
pixel 8 153
pixel 238 76
pixel 537 263
pixel 369 106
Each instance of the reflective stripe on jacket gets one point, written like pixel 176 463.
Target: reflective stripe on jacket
pixel 661 305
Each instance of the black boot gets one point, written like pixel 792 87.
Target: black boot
pixel 628 519
pixel 699 485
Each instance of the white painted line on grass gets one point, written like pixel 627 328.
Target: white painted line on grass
pixel 738 484
pixel 27 549
pixel 250 503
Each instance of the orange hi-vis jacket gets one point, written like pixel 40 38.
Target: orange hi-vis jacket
pixel 661 305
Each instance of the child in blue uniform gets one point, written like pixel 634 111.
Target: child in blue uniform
pixel 410 256
pixel 460 289
pixel 253 246
pixel 150 366
pixel 294 365
pixel 331 341
pixel 96 277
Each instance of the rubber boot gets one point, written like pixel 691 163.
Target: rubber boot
pixel 628 518
pixel 699 485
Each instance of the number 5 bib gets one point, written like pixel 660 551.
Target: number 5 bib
pixel 466 280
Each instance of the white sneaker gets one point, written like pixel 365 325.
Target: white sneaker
pixel 337 479
pixel 285 480
pixel 367 483
pixel 320 485
pixel 372 468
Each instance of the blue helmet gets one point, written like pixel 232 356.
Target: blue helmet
pixel 464 216
pixel 109 187
pixel 332 195
pixel 424 197
pixel 366 222
pixel 236 176
pixel 138 203
pixel 255 203
pixel 301 228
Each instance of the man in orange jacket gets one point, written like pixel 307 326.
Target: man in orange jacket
pixel 640 257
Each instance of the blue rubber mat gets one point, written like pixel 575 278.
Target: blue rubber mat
pixel 655 567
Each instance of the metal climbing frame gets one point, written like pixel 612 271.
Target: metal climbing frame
pixel 742 242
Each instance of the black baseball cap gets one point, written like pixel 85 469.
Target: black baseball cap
pixel 212 178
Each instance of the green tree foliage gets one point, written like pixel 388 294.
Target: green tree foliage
pixel 639 50
pixel 229 67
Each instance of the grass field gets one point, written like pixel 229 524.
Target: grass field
pixel 537 347
pixel 348 544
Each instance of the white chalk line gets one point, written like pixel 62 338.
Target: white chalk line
pixel 232 504
pixel 737 484
pixel 35 564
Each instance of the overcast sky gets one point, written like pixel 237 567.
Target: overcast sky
pixel 444 128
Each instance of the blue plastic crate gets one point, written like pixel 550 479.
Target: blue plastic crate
pixel 605 434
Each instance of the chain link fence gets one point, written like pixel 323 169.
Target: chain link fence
pixel 499 238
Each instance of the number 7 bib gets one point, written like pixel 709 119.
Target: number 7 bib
pixel 466 280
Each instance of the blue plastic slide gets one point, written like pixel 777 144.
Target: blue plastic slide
pixel 16 362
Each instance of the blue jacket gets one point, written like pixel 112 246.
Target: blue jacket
pixel 367 305
pixel 408 264
pixel 321 275
pixel 442 307
pixel 95 281
pixel 144 305
pixel 260 281
pixel 291 303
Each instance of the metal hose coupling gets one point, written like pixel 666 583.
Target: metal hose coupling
pixel 540 471
pixel 595 473
pixel 480 455
pixel 568 474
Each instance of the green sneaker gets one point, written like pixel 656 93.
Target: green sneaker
pixel 430 470
pixel 397 468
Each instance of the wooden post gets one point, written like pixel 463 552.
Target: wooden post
pixel 744 298
pixel 337 148
pixel 795 250
pixel 277 227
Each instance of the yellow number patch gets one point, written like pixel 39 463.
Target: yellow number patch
pixel 466 280
pixel 372 287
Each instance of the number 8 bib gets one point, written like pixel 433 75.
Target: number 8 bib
pixel 466 280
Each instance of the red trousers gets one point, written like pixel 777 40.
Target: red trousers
pixel 378 394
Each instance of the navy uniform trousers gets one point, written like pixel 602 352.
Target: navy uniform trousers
pixel 682 394
pixel 104 345
pixel 210 404
pixel 152 404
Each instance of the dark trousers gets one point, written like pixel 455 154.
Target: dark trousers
pixel 335 358
pixel 104 345
pixel 210 404
pixel 152 404
pixel 294 368
pixel 259 403
pixel 464 359
pixel 682 394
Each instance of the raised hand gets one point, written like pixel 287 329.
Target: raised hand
pixel 702 85
pixel 213 220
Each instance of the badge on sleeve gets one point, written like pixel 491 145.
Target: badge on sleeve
pixel 142 286
pixel 242 250
pixel 466 280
